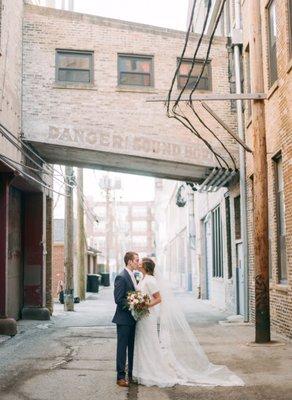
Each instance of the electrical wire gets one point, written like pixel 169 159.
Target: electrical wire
pixel 174 114
pixel 180 116
pixel 180 60
pixel 21 173
pixel 21 142
pixel 12 139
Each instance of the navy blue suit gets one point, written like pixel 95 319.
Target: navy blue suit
pixel 126 324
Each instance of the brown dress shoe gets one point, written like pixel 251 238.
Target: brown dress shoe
pixel 122 383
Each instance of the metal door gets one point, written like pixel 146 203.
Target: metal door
pixel 15 255
pixel 240 278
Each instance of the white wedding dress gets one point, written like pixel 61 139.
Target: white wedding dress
pixel 169 353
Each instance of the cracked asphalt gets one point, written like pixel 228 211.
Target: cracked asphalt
pixel 73 357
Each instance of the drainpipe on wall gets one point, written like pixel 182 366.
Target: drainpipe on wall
pixel 237 42
pixel 192 271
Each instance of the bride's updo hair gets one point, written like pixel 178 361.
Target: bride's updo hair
pixel 148 265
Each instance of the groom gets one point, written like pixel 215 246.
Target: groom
pixel 125 282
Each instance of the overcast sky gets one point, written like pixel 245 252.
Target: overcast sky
pixel 164 13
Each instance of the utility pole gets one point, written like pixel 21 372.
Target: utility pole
pixel 69 251
pixel 107 184
pixel 81 248
pixel 261 243
pixel 242 159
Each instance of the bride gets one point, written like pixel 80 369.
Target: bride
pixel 171 354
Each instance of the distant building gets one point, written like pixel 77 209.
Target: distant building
pixel 130 227
pixel 91 259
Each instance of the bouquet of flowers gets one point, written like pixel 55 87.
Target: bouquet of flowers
pixel 137 302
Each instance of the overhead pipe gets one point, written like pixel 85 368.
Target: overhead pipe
pixel 228 178
pixel 207 180
pixel 215 184
pixel 216 178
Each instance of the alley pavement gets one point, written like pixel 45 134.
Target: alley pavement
pixel 72 357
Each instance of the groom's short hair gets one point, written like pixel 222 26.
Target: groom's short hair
pixel 129 256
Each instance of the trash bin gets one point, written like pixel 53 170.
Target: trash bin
pixel 105 279
pixel 93 282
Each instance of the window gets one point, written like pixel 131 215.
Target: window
pixel 135 70
pixel 272 28
pixel 217 243
pixel 290 25
pixel 228 236
pixel 185 67
pixel 281 228
pixel 74 66
pixel 237 218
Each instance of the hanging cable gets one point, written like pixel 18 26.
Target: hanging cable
pixel 21 142
pixel 22 173
pixel 175 115
pixel 182 55
pixel 180 116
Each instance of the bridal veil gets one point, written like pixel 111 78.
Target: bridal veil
pixel 182 349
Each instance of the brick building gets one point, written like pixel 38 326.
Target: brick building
pixel 276 31
pixel 101 119
pixel 102 109
pixel 276 38
pixel 91 259
pixel 25 207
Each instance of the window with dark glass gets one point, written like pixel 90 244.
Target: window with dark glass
pixel 217 245
pixel 135 70
pixel 205 82
pixel 281 226
pixel 228 236
pixel 272 31
pixel 237 219
pixel 74 66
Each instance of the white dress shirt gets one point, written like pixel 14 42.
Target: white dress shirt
pixel 132 277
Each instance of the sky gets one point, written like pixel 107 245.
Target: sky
pixel 133 188
pixel 164 13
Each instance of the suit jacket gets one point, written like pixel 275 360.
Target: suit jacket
pixel 123 284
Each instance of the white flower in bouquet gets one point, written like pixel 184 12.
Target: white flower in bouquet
pixel 137 303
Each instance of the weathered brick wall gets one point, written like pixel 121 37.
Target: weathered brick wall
pixel 106 109
pixel 279 139
pixel 10 72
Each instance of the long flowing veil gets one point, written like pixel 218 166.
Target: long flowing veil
pixel 181 347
